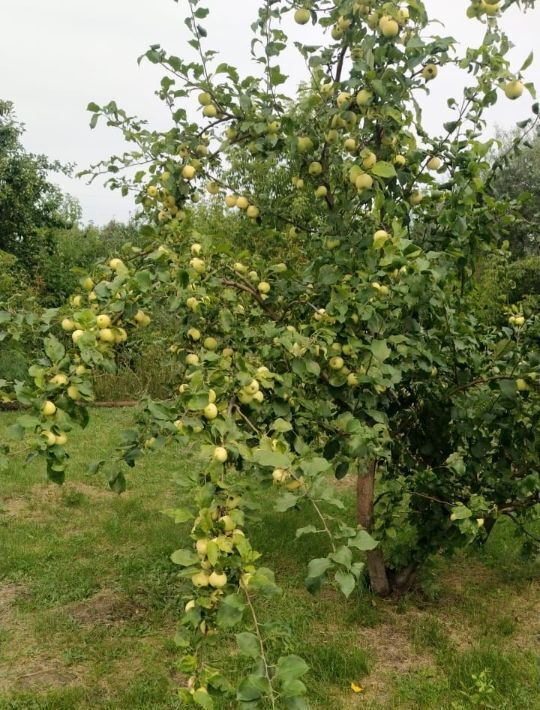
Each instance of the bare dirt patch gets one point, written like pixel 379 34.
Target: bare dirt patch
pixel 9 593
pixel 106 607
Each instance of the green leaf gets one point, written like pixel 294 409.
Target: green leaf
pixel 346 582
pixel 184 558
pixel 383 169
pixel 54 349
pixel 306 531
pixel 380 350
pixel 290 668
pixel 203 699
pixel 342 556
pixel 281 425
pixel 248 692
pixel 363 541
pixel 230 611
pixel 144 280
pixel 275 459
pixel 286 501
pixel 311 467
pixel 248 644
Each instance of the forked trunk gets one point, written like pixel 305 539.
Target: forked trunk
pixel 365 491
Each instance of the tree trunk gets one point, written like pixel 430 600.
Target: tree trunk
pixel 364 512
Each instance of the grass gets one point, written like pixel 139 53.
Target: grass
pixel 89 602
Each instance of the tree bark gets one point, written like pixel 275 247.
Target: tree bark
pixel 364 512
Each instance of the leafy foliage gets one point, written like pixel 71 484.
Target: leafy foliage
pixel 355 352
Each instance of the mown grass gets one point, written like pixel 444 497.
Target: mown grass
pixel 89 602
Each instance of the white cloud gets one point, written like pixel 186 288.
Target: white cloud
pixel 57 56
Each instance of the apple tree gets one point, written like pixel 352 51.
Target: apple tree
pixel 335 338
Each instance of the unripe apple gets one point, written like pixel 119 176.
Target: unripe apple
pixel 152 191
pixel 336 363
pixel 521 385
pixel 305 144
pixel 369 160
pixel 364 97
pixel 188 172
pixel 252 212
pixel 200 579
pixel 204 99
pixel 434 163
pixel 192 359
pixel 519 321
pixel 242 203
pixel 61 439
pixel 315 168
pixel 350 145
pixel 258 397
pixel 491 8
pixel 192 303
pixel 117 264
pixel 88 284
pixel 364 182
pixel 190 605
pixel 103 321
pixel 230 201
pixel 380 238
pixel 120 335
pixel 59 379
pixel 227 352
pixel 106 335
pixel 210 411
pixel 343 99
pixel 202 547
pixel 252 387
pixel 194 334
pixel 48 409
pixel 73 392
pixel 80 370
pixel 388 26
pixel 352 380
pixel 50 437
pixel 217 580
pixel 77 335
pixel 331 136
pixel 210 343
pixel 210 111
pixel 227 523
pixel 321 191
pixel 416 198
pixel 279 475
pixel 400 160
pixel 430 72
pixel 198 265
pixel 402 15
pixel 514 89
pixel 220 454
pixel 302 16
pixel 68 324
pixel 264 287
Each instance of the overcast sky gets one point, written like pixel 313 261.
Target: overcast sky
pixel 58 55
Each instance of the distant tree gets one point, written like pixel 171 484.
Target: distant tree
pixel 31 206
pixel 520 180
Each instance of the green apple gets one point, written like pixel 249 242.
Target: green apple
pixel 336 363
pixel 264 287
pixel 103 321
pixel 73 392
pixel 302 16
pixel 220 454
pixel 59 379
pixel 68 325
pixel 315 168
pixel 434 163
pixel 194 334
pixel 210 411
pixel 321 191
pixel 514 89
pixel 252 212
pixel 192 359
pixel 388 26
pixel 210 343
pixel 430 71
pixel 204 99
pixel 106 335
pixel 48 409
pixel 364 97
pixel 200 579
pixel 198 265
pixel 210 111
pixel 364 182
pixel 77 335
pixel 217 580
pixel 380 238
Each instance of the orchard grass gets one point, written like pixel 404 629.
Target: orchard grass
pixel 89 602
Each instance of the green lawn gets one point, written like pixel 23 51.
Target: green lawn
pixel 89 599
